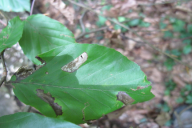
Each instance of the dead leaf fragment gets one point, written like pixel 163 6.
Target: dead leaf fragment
pixel 75 64
pixel 125 98
pixel 156 75
pixel 179 81
pixel 162 118
pixel 56 8
pixel 146 55
pixel 66 11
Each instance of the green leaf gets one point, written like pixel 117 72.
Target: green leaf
pixel 11 34
pixel 172 20
pixel 162 25
pixel 169 63
pixel 42 34
pixel 142 15
pixel 15 5
pixel 101 21
pixel 88 93
pixel 188 87
pixel 168 34
pixel 134 22
pixel 183 92
pixel 170 85
pixel 165 107
pixel 117 27
pixel 189 99
pixel 178 26
pixel 180 100
pixel 107 7
pixel 167 92
pixel 121 19
pixel 184 34
pixel 189 28
pixel 175 52
pixel 187 41
pixel 144 24
pixel 187 49
pixel 168 123
pixel 32 120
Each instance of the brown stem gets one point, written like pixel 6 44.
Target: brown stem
pixel 3 79
pixel 81 21
pixel 32 5
pixel 161 3
pixel 3 23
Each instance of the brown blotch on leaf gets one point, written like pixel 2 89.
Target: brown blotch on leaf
pixel 50 100
pixel 141 87
pixel 23 72
pixel 125 98
pixel 75 64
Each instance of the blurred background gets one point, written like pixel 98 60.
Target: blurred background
pixel 155 28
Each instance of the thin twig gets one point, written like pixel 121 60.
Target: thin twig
pixel 93 31
pixel 187 108
pixel 3 23
pixel 126 27
pixel 27 108
pixel 125 37
pixel 161 3
pixel 186 38
pixel 81 21
pixel 180 123
pixel 4 16
pixel 31 12
pixel 3 79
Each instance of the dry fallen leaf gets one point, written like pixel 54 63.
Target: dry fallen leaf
pixel 162 118
pixel 66 11
pixel 145 54
pixel 55 8
pixel 156 75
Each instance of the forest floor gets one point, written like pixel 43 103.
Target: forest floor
pixel 165 26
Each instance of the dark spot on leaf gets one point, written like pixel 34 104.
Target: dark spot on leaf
pixel 125 98
pixel 50 100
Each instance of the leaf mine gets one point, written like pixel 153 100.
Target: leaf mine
pixel 139 87
pixel 75 64
pixel 50 100
pixel 83 110
pixel 125 98
pixel 23 72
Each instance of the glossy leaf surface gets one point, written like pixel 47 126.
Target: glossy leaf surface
pixel 42 34
pixel 89 92
pixel 15 5
pixel 32 120
pixel 11 34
